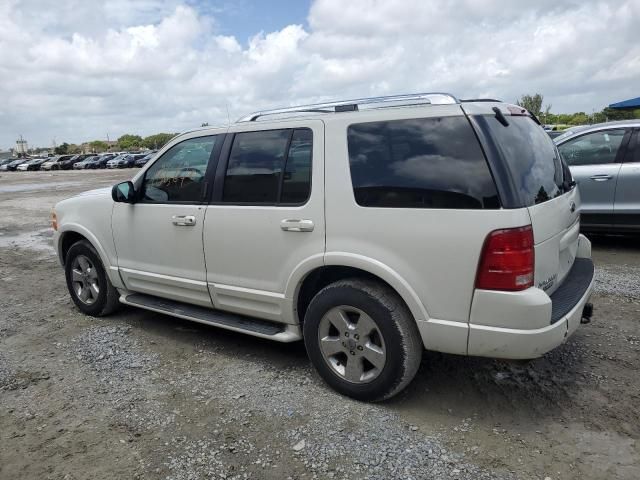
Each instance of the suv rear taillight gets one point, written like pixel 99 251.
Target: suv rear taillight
pixel 507 260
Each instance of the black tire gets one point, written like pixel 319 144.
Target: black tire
pixel 107 300
pixel 402 342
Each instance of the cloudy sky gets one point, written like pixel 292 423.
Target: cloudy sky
pixel 77 70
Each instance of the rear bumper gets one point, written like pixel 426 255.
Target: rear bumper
pixel 551 319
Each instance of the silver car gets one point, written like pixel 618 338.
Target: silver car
pixel 605 162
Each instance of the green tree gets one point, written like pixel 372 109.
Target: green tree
pixel 98 146
pixel 62 149
pixel 157 141
pixel 73 148
pixel 128 141
pixel 579 118
pixel 615 114
pixel 533 103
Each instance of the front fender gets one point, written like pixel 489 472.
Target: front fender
pixel 109 263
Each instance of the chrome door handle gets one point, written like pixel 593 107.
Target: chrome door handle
pixel 601 178
pixel 183 220
pixel 294 225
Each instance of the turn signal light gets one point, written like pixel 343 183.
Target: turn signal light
pixel 54 220
pixel 507 261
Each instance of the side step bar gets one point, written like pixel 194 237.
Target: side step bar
pixel 230 321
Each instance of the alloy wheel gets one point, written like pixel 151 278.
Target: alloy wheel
pixel 352 345
pixel 84 279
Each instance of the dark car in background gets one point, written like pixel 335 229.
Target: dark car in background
pixel 6 161
pixel 141 162
pixel 13 165
pixel 100 161
pixel 31 165
pixel 124 161
pixel 53 163
pixel 69 163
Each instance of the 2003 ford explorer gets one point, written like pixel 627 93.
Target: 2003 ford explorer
pixel 371 229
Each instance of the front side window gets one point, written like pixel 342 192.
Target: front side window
pixel 178 176
pixel 419 163
pixel 269 167
pixel 593 148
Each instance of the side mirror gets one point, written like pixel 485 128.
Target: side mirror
pixel 124 192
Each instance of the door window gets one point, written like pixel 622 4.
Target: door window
pixel 179 175
pixel 269 167
pixel 593 148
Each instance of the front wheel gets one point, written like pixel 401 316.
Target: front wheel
pixel 362 339
pixel 88 283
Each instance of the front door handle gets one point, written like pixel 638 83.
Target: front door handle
pixel 295 225
pixel 601 178
pixel 183 220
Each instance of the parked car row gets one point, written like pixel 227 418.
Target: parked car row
pixel 78 162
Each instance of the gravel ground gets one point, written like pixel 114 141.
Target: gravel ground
pixel 146 396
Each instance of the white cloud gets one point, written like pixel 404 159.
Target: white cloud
pixel 87 68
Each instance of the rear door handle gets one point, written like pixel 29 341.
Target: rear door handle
pixel 601 178
pixel 183 220
pixel 295 225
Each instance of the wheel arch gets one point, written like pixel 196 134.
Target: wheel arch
pixel 71 234
pixel 338 266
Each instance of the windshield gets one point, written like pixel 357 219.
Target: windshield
pixel 568 133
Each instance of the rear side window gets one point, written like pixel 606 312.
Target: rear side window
pixel 269 167
pixel 531 157
pixel 419 163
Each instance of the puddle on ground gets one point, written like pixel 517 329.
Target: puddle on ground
pixel 40 241
pixel 29 187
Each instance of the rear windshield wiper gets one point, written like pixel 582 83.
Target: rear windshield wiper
pixel 500 116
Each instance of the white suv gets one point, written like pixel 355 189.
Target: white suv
pixel 372 229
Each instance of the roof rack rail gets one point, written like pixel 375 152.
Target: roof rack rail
pixel 435 98
pixel 466 100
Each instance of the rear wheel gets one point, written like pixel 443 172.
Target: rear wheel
pixel 362 339
pixel 87 281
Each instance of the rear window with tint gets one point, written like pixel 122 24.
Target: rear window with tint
pixel 419 163
pixel 531 157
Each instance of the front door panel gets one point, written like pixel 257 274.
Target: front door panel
pixel 159 238
pixel 158 257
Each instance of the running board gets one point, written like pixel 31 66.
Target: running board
pixel 230 321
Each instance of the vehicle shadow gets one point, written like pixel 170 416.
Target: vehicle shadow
pixel 451 385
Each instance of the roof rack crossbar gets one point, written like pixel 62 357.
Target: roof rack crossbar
pixel 435 98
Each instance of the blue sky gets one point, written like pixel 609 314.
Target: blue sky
pixel 244 18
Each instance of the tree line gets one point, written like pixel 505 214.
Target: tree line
pixel 125 142
pixel 534 103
